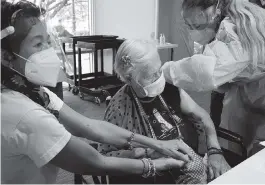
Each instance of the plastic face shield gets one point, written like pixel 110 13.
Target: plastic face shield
pixel 187 28
pixel 22 22
pixel 198 28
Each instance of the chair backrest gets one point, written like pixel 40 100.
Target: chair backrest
pixel 232 158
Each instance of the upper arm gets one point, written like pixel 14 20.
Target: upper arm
pixel 44 140
pixel 189 106
pixel 40 136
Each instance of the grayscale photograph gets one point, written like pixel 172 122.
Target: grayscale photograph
pixel 132 92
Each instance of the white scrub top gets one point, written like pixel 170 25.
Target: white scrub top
pixel 224 61
pixel 31 137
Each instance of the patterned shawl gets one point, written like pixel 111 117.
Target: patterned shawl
pixel 123 112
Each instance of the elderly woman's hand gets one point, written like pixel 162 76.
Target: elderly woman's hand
pixel 217 165
pixel 176 149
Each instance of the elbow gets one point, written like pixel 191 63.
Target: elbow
pixel 98 167
pixel 92 131
pixel 208 124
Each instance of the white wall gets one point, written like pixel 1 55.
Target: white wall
pixel 169 24
pixel 164 25
pixel 177 36
pixel 125 18
pixel 130 19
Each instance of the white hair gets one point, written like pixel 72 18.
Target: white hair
pixel 138 54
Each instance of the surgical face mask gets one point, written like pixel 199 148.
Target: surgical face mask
pixel 202 37
pixel 43 68
pixel 208 32
pixel 197 48
pixel 154 89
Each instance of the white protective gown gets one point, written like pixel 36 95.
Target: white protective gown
pixel 224 65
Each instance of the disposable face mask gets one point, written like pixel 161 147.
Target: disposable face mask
pixel 43 68
pixel 156 88
pixel 198 48
pixel 202 37
pixel 206 35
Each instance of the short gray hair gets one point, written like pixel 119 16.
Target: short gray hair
pixel 133 55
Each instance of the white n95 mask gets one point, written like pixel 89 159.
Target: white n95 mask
pixel 202 37
pixel 43 68
pixel 156 88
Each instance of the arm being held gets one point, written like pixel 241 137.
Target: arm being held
pixel 202 119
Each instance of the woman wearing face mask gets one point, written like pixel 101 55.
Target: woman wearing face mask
pixel 217 97
pixel 233 60
pixel 33 142
pixel 149 106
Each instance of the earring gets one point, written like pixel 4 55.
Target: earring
pixel 217 13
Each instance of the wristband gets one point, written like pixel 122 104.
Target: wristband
pixel 213 151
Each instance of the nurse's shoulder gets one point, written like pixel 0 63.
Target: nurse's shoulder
pixel 227 31
pixel 227 47
pixel 15 106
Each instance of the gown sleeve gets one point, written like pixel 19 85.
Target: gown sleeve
pixel 220 63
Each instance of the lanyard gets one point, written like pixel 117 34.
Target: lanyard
pixel 175 118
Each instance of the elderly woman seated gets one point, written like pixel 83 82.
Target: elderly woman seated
pixel 149 106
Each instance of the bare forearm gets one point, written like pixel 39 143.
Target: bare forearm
pixel 115 135
pixel 79 157
pixel 101 131
pixel 203 123
pixel 121 166
pixel 200 118
pixel 211 136
pixel 129 154
pixel 115 166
